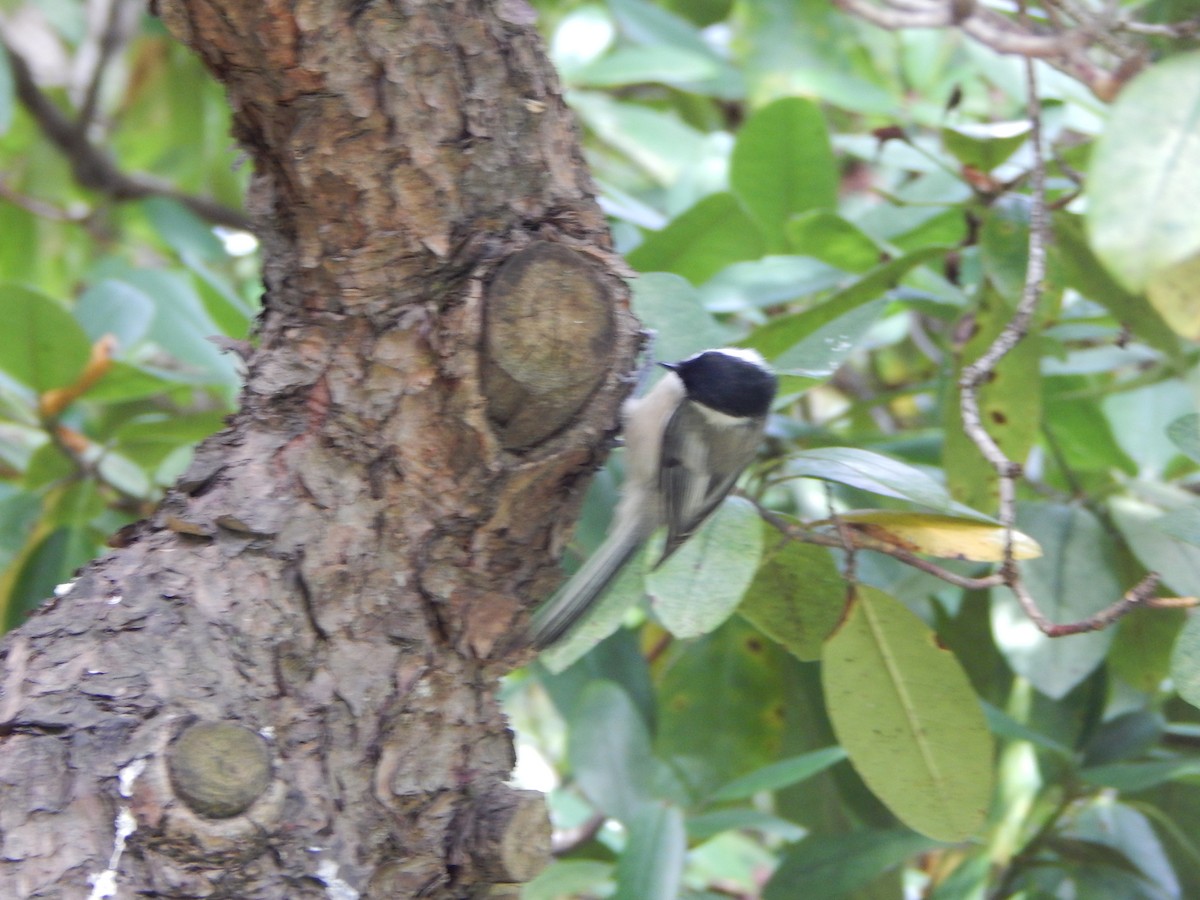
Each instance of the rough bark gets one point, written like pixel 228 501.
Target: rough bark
pixel 283 685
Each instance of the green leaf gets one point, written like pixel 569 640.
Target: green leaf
pixel 1005 726
pixel 1071 581
pixel 1009 406
pixel 124 381
pixel 7 93
pixel 1173 292
pixel 651 865
pixel 1141 652
pixel 797 597
pixel 676 66
pixel 651 25
pixel 603 619
pixel 783 164
pixel 1182 524
pixel 1083 272
pixel 706 825
pixel 1184 433
pixel 618 659
pixel 985 145
pixel 1144 178
pixel 830 238
pixel 1081 434
pixel 658 142
pixel 229 311
pixel 117 308
pixel 1139 776
pixel 701 241
pixel 611 755
pixel 905 712
pixel 19 511
pixel 1004 250
pixel 181 229
pixel 703 582
pixel 1185 662
pixel 788 340
pixel 778 775
pixel 1176 561
pixel 567 878
pixel 44 346
pixel 879 474
pixel 52 563
pixel 969 880
pixel 719 707
pixel 670 307
pixel 836 865
pixel 1133 847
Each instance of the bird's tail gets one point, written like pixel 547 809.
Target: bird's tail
pixel 577 596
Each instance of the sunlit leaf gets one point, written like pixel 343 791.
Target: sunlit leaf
pixel 1144 178
pixel 905 712
pixel 701 241
pixel 1084 272
pixel 782 165
pixel 833 240
pixel 985 145
pixel 1174 291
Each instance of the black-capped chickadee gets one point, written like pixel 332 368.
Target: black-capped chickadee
pixel 686 441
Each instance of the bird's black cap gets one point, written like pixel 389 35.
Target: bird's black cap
pixel 732 381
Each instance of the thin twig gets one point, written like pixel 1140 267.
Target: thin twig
pixel 798 532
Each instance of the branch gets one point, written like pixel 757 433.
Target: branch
pixel 978 372
pixel 845 539
pixel 1065 49
pixel 112 37
pixel 92 168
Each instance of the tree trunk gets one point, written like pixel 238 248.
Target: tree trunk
pixel 283 684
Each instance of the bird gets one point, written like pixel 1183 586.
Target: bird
pixel 687 441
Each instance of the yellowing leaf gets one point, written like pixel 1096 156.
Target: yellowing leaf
pixel 935 535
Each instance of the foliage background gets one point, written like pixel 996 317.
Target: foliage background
pixel 854 202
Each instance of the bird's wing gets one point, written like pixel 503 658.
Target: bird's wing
pixel 692 486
